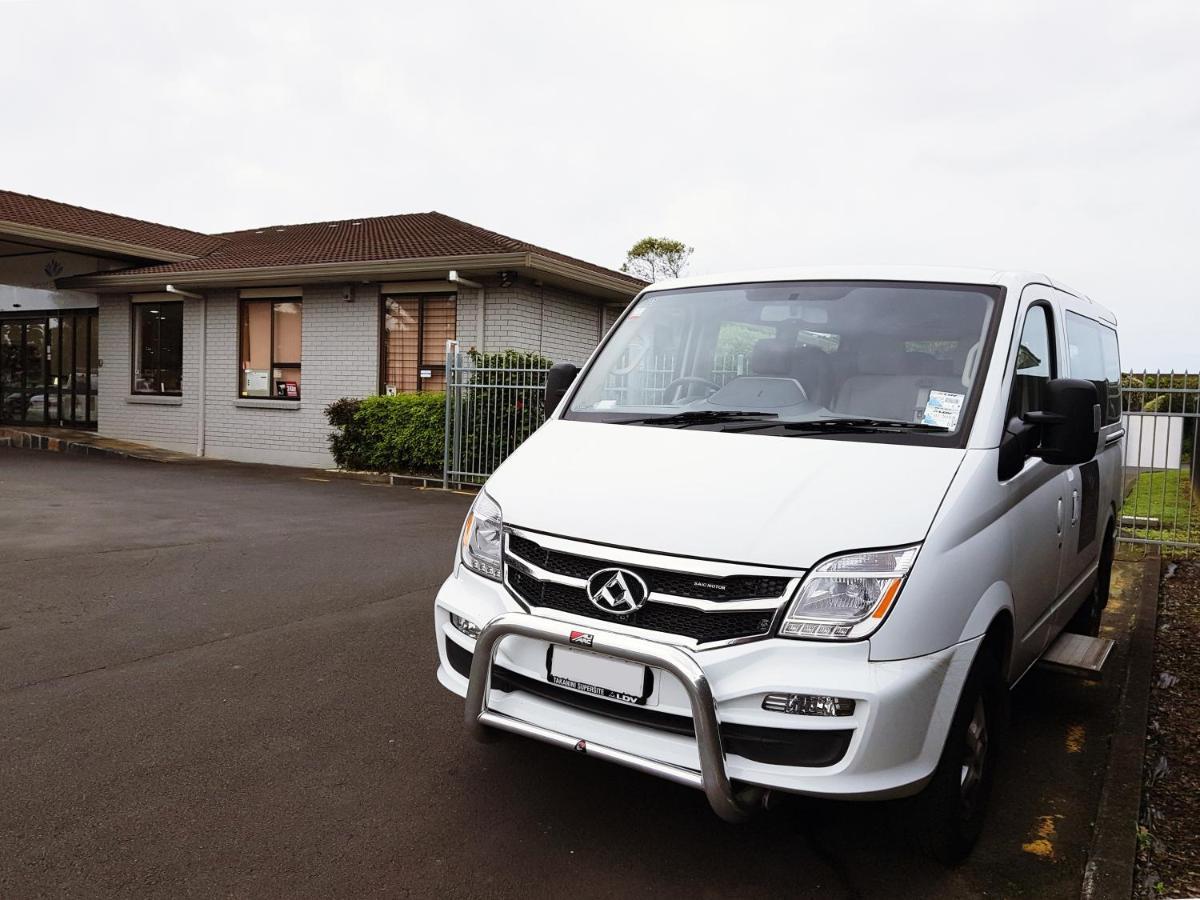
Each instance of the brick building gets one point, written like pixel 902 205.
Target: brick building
pixel 231 345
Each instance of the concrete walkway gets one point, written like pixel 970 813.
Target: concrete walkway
pixel 88 443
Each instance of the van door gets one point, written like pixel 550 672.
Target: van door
pixel 1091 354
pixel 1036 515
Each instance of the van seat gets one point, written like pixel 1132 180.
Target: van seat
pixel 891 384
pixel 781 358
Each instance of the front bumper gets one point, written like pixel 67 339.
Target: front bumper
pixel 891 742
pixel 711 776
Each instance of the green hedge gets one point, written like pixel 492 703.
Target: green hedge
pixel 406 432
pixel 401 433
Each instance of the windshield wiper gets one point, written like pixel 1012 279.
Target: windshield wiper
pixel 704 417
pixel 847 424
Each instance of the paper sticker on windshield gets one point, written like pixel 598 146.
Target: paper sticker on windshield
pixel 943 408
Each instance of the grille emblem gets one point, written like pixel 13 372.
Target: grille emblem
pixel 617 591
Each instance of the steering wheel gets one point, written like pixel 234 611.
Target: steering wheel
pixel 668 391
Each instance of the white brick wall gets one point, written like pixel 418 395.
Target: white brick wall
pixel 557 323
pixel 173 427
pixel 467 324
pixel 570 326
pixel 340 359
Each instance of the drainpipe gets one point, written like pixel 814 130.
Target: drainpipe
pixel 203 393
pixel 479 312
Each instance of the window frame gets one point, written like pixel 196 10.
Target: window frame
pixel 1052 340
pixel 243 302
pixel 135 343
pixel 1102 328
pixel 420 298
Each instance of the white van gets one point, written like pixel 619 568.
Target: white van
pixel 799 532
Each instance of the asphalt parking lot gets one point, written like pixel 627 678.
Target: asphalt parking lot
pixel 219 680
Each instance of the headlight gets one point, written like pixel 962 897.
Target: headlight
pixel 846 597
pixel 482 537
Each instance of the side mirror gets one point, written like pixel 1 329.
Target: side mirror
pixel 558 379
pixel 1065 432
pixel 1070 422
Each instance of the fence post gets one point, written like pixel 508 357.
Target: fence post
pixel 451 359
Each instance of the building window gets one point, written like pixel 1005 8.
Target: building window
pixel 270 341
pixel 158 348
pixel 415 331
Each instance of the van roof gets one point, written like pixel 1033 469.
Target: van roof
pixel 947 274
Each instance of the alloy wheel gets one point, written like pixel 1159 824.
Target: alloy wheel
pixel 974 757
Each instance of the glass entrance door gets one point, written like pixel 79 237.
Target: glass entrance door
pixel 48 369
pixel 22 370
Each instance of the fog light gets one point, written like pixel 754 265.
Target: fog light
pixel 808 705
pixel 467 627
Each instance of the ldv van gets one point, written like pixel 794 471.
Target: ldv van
pixel 799 532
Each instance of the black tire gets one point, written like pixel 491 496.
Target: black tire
pixel 1087 618
pixel 945 819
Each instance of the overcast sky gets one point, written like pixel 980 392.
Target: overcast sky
pixel 1061 137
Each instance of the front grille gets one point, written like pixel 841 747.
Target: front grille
pixel 701 626
pixel 661 581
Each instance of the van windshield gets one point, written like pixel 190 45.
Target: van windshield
pixel 797 358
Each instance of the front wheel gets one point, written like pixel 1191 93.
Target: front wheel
pixel 945 819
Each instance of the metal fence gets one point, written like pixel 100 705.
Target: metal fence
pixel 1162 482
pixel 494 402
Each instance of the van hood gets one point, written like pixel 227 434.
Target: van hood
pixel 747 498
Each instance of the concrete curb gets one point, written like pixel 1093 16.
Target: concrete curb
pixel 30 440
pixel 80 445
pixel 26 440
pixel 432 482
pixel 33 440
pixel 1112 859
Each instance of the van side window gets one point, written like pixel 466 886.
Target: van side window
pixel 1035 362
pixel 1093 356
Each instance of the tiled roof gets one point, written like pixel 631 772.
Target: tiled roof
pixel 76 220
pixel 413 236
pixel 400 237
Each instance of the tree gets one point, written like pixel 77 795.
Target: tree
pixel 656 258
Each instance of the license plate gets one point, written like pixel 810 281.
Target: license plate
pixel 599 675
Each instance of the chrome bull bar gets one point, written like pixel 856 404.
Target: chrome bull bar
pixel 733 805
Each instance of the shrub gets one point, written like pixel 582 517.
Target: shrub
pixel 499 406
pixel 341 412
pixel 504 360
pixel 401 433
